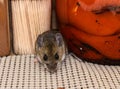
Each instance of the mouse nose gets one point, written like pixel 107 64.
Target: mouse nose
pixel 52 66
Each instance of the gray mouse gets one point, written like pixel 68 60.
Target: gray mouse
pixel 50 49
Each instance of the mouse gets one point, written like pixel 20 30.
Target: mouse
pixel 50 49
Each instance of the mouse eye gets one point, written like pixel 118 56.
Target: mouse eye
pixel 45 57
pixel 56 56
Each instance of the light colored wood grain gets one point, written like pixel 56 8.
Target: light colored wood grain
pixel 30 18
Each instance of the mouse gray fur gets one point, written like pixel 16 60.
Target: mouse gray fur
pixel 50 49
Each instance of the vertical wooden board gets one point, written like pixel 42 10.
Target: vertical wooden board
pixel 29 18
pixel 4 28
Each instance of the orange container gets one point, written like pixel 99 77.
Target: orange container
pixel 91 28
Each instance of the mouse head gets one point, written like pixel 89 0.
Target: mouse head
pixel 50 48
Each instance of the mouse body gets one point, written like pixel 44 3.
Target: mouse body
pixel 50 49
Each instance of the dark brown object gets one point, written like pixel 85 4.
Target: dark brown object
pixel 61 88
pixel 4 28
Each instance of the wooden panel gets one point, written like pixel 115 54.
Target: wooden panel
pixel 4 28
pixel 29 18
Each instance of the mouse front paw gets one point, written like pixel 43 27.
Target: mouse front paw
pixel 36 59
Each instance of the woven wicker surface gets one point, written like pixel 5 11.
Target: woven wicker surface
pixel 20 72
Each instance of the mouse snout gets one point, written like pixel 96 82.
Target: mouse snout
pixel 52 67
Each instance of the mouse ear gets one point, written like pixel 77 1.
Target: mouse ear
pixel 40 41
pixel 59 39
